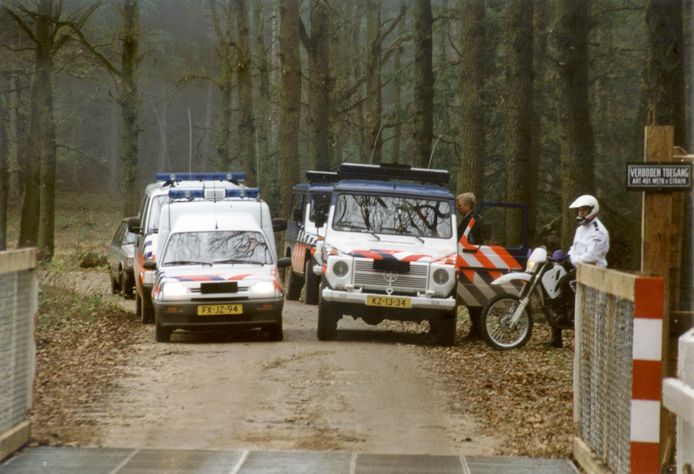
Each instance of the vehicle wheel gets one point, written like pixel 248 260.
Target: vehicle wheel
pixel 126 285
pixel 327 321
pixel 275 332
pixel 161 334
pixel 138 304
pixel 495 323
pixel 146 311
pixel 115 287
pixel 292 284
pixel 444 327
pixel 311 284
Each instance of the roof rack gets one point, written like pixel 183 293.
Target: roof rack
pixel 170 178
pixel 314 176
pixel 395 171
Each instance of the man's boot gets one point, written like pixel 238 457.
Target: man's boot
pixel 556 338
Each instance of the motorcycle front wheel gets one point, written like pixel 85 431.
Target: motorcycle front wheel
pixel 496 325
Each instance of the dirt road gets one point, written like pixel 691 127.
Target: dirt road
pixel 365 392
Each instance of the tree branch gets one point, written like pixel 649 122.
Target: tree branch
pixel 22 24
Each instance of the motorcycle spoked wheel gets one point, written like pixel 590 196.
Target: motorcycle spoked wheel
pixel 496 325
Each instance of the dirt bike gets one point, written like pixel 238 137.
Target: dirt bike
pixel 507 320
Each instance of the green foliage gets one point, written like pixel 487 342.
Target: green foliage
pixel 62 309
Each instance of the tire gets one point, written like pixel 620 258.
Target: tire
pixel 275 332
pixel 327 321
pixel 115 286
pixel 310 284
pixel 292 284
pixel 138 304
pixel 126 285
pixel 162 334
pixel 146 311
pixel 444 328
pixel 495 327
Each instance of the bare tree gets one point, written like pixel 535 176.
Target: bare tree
pixel 246 126
pixel 472 77
pixel 424 83
pixel 576 133
pixel 519 108
pixel 290 112
pixel 319 84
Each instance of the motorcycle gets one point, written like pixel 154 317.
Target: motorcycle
pixel 507 319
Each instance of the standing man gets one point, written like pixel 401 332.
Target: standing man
pixel 465 203
pixel 591 244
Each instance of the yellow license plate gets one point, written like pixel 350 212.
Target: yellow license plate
pixel 219 309
pixel 388 301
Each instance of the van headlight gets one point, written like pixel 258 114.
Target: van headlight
pixel 441 276
pixel 263 289
pixel 340 269
pixel 173 291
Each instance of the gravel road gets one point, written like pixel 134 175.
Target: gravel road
pixel 365 392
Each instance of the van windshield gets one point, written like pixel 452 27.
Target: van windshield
pixel 397 215
pixel 191 248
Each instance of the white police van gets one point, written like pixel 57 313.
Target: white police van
pixel 146 224
pixel 217 266
pixel 390 249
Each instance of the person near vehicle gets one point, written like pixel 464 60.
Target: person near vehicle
pixel 465 203
pixel 590 246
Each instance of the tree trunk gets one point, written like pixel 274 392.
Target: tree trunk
pixel 319 86
pixel 519 106
pixel 665 77
pixel 290 113
pixel 4 152
pixel 373 80
pixel 226 85
pixel 397 95
pixel 267 171
pixel 423 83
pixel 129 102
pixel 472 77
pixel 246 126
pixel 539 53
pixel 576 133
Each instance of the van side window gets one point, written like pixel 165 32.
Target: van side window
pixel 297 213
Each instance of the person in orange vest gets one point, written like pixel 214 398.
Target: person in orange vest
pixel 465 203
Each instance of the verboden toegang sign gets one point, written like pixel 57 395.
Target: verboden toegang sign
pixel 659 176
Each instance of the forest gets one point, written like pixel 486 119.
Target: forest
pixel 525 101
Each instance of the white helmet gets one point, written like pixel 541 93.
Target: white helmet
pixel 586 201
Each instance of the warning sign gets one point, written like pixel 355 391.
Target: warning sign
pixel 659 177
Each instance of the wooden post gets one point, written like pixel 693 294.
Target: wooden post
pixel 661 228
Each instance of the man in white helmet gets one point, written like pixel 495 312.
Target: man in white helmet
pixel 590 246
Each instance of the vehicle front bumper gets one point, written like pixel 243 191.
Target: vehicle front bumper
pixel 418 302
pixel 184 314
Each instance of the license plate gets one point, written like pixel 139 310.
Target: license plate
pixel 388 301
pixel 219 309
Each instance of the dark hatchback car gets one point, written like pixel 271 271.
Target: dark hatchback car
pixel 120 260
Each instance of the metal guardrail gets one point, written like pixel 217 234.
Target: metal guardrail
pixel 678 397
pixel 18 307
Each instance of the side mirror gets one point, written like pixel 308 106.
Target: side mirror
pixel 284 262
pixel 298 215
pixel 134 225
pixel 320 220
pixel 150 265
pixel 279 224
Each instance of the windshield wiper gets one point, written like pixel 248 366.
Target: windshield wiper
pixel 239 260
pixel 186 262
pixel 416 237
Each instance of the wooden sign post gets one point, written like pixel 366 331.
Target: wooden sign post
pixel 661 254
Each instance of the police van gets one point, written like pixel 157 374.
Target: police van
pixel 309 200
pixel 217 265
pixel 146 224
pixel 389 250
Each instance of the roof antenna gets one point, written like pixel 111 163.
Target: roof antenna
pixel 371 161
pixel 190 144
pixel 431 157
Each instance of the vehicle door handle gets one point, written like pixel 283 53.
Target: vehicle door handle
pixel 470 250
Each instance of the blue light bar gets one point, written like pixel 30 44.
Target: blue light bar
pixel 172 177
pixel 242 193
pixel 188 194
